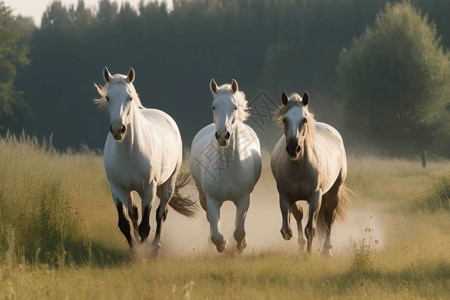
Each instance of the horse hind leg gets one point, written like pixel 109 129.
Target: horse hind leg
pixel 133 213
pixel 314 207
pixel 147 198
pixel 167 191
pixel 202 199
pixel 297 212
pixel 241 213
pixel 327 216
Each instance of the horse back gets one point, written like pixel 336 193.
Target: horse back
pixel 161 121
pixel 166 145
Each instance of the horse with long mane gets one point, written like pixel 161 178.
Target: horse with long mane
pixel 309 163
pixel 143 153
pixel 226 161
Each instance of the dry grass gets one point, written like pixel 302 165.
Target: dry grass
pixel 391 248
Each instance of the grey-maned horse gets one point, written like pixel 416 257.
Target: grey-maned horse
pixel 226 161
pixel 309 163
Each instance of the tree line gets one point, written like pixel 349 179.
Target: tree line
pixel 267 46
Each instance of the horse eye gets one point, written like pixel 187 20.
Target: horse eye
pixel 305 121
pixel 214 108
pixel 235 108
pixel 131 98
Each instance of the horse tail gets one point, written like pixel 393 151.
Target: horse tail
pixel 326 214
pixel 181 203
pixel 344 195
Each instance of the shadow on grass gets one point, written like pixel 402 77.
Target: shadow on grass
pixel 78 253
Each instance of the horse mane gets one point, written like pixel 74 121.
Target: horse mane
pixel 116 79
pixel 294 99
pixel 239 97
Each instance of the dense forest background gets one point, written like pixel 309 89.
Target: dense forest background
pixel 267 46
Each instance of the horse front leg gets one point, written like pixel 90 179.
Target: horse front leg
pixel 120 199
pixel 314 206
pixel 213 206
pixel 242 205
pixel 285 207
pixel 148 195
pixel 124 224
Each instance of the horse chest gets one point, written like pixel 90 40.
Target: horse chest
pixel 301 190
pixel 230 182
pixel 128 171
pixel 299 183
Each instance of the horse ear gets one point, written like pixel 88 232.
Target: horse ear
pixel 305 98
pixel 284 98
pixel 234 86
pixel 131 75
pixel 213 86
pixel 106 74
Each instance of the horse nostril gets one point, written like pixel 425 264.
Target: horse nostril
pixel 297 149
pixel 122 130
pixel 227 136
pixel 217 136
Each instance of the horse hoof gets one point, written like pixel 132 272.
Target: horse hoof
pixel 221 248
pixel 287 235
pixel 301 242
pixel 326 252
pixel 242 245
pixel 302 248
pixel 154 251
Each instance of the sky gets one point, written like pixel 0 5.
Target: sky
pixel 36 8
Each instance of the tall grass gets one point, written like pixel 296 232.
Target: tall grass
pixel 38 190
pixel 56 210
pixel 437 196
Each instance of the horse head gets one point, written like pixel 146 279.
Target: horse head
pixel 295 121
pixel 229 106
pixel 119 96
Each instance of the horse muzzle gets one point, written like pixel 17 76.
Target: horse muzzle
pixel 117 132
pixel 293 149
pixel 223 139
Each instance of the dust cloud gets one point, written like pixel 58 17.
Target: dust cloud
pixel 185 237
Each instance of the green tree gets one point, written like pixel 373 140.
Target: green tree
pixel 107 11
pixel 395 82
pixel 56 16
pixel 13 53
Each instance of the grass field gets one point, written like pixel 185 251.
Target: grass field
pixel 60 240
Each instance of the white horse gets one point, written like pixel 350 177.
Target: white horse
pixel 309 163
pixel 143 153
pixel 226 161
